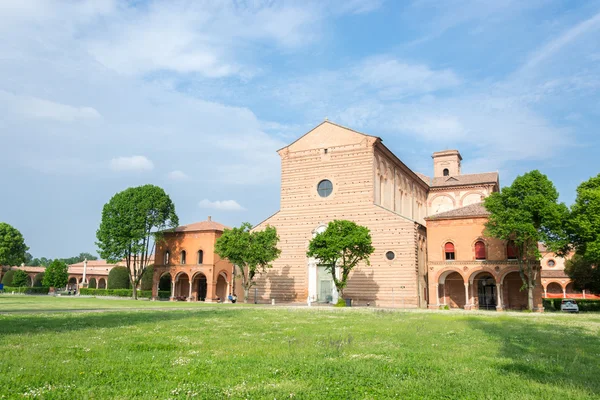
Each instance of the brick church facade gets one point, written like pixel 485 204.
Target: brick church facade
pixel 430 250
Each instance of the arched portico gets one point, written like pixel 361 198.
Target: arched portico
pixel 451 289
pixel 554 290
pixel 486 293
pixel 222 286
pixel 72 284
pixel 102 283
pixel 182 287
pixel 515 298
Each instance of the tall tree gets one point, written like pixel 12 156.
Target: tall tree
pixel 20 279
pixel 12 245
pixel 250 252
pixel 56 275
pixel 132 222
pixel 527 212
pixel 344 244
pixel 583 229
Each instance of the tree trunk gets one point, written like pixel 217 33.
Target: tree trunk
pixel 134 293
pixel 246 293
pixel 530 288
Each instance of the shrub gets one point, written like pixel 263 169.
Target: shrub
pixel 92 284
pixel 7 280
pixel 147 277
pixel 164 294
pixel 56 275
pixel 118 278
pixel 26 290
pixel 584 304
pixel 116 292
pixel 340 303
pixel 37 281
pixel 20 278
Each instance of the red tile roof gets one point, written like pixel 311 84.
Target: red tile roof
pixel 460 180
pixel 473 210
pixel 207 225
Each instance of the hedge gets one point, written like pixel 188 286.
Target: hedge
pixel 26 290
pixel 584 304
pixel 144 294
pixel 118 278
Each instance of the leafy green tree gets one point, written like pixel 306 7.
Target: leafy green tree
pixel 583 229
pixel 56 275
pixel 132 222
pixel 585 275
pixel 147 278
pixel 251 252
pixel 527 212
pixel 20 278
pixel 7 279
pixel 118 278
pixel 344 244
pixel 12 245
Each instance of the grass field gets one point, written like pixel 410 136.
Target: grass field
pixel 226 351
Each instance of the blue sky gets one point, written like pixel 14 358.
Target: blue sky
pixel 196 97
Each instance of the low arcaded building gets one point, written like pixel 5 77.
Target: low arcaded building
pixel 187 265
pixel 468 270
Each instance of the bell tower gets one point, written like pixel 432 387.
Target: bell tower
pixel 446 163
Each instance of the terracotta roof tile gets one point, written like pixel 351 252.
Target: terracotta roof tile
pixel 207 225
pixel 424 178
pixel 473 210
pixel 465 180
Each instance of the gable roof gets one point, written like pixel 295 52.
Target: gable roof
pixel 472 210
pixel 208 225
pixel 464 180
pixel 329 123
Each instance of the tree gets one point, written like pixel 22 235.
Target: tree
pixel 56 275
pixel 585 275
pixel 251 253
pixel 12 245
pixel 527 213
pixel 7 279
pixel 343 244
pixel 38 280
pixel 583 232
pixel 20 278
pixel 118 278
pixel 132 222
pixel 147 278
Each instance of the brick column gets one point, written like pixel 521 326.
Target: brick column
pixel 210 290
pixel 467 304
pixel 583 293
pixel 172 298
pixel 564 293
pixel 437 294
pixel 190 294
pixel 545 292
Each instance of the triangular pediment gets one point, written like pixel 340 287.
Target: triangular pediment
pixel 327 135
pixel 452 179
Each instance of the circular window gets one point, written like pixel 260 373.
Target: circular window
pixel 551 263
pixel 325 187
pixel 390 255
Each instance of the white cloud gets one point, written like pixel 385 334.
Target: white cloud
pixel 178 176
pixel 34 107
pixel 133 163
pixel 224 205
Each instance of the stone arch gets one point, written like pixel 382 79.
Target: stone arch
pixel 554 289
pixel 570 291
pixel 165 280
pixel 441 275
pixel 200 286
pixel 102 283
pixel 477 270
pixel 93 284
pixel 182 285
pixel 484 288
pixel 72 283
pixel 221 286
pixel 452 289
pixel 463 197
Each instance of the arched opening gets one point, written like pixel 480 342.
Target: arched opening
pixel 452 288
pixel 449 251
pixel 571 292
pixel 92 284
pixel 72 285
pixel 511 250
pixel 515 298
pixel 167 257
pixel 164 283
pixel 29 281
pixel 200 256
pixel 37 281
pixel 183 256
pixel 182 286
pixel 221 288
pixel 487 296
pixel 446 172
pixel 200 287
pixel 480 253
pixel 101 283
pixel 554 289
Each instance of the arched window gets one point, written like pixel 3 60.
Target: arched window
pixel 167 257
pixel 183 254
pixel 449 251
pixel 511 250
pixel 200 256
pixel 480 250
pixel 446 172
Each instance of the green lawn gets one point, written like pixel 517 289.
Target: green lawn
pixel 226 351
